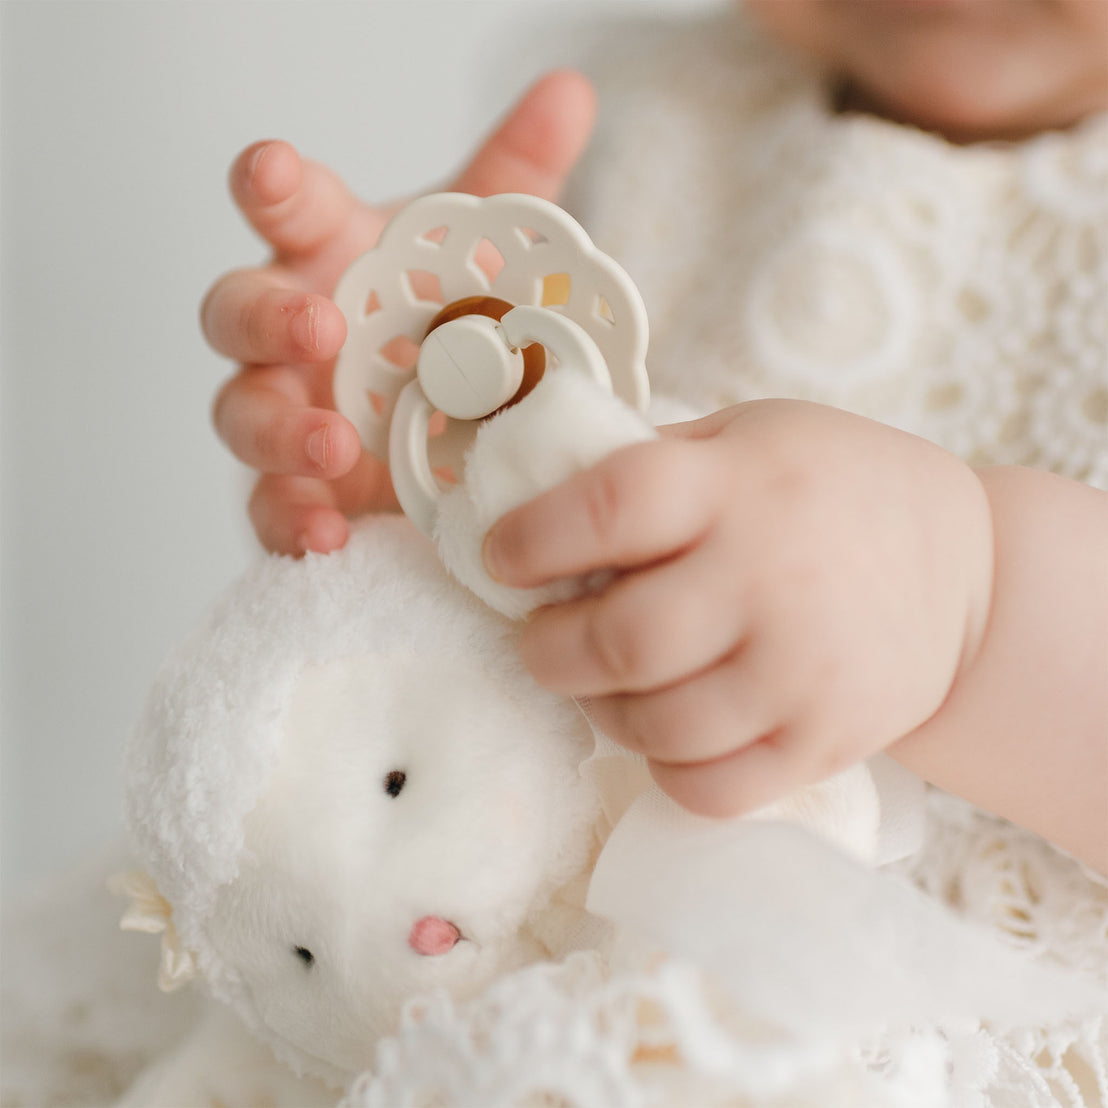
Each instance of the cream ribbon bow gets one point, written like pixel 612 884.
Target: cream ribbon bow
pixel 149 911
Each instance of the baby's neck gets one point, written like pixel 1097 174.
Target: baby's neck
pixel 847 97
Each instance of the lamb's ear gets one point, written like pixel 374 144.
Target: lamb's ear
pixel 149 911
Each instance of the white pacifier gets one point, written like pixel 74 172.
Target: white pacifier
pixel 457 312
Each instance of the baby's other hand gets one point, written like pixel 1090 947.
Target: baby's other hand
pixel 277 412
pixel 797 588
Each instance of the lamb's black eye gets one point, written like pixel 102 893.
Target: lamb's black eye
pixel 305 955
pixel 394 782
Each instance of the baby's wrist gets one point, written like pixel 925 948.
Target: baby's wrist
pixel 980 558
pixel 958 574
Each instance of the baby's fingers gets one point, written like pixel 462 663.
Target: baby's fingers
pixel 534 149
pixel 719 710
pixel 773 761
pixel 294 515
pixel 645 631
pixel 735 783
pixel 640 504
pixel 298 207
pixel 249 315
pixel 264 417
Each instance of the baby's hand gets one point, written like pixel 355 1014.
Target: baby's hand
pixel 277 412
pixel 797 588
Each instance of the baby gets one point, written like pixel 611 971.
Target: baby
pixel 798 587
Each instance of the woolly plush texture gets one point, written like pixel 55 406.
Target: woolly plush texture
pixel 255 791
pixel 210 735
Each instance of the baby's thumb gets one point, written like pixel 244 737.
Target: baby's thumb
pixel 534 149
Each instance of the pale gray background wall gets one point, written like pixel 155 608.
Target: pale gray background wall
pixel 121 516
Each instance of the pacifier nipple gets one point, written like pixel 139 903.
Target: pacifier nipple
pixel 468 377
pixel 466 369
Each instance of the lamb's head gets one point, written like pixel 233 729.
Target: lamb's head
pixel 350 792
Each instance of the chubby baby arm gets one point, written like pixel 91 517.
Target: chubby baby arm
pixel 1024 731
pixel 796 588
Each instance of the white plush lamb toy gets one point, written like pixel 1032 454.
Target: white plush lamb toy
pixel 350 792
pixel 345 788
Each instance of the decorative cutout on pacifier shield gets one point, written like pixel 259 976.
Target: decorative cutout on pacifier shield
pixel 457 312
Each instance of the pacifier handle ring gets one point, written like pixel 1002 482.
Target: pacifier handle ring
pixel 413 480
pixel 566 340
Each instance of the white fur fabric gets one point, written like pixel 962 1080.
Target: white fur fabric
pixel 234 832
pixel 210 734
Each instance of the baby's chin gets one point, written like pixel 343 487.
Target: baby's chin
pixel 971 70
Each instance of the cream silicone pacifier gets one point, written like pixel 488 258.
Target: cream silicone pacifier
pixel 457 312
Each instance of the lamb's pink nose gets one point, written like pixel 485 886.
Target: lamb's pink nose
pixel 432 935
